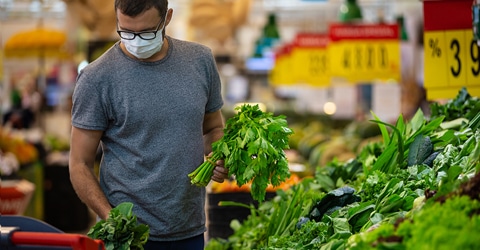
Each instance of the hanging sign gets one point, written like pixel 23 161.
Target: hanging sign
pixel 310 59
pixel 364 52
pixel 451 56
pixel 281 72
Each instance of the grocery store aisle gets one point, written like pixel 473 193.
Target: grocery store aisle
pixel 57 123
pixel 65 207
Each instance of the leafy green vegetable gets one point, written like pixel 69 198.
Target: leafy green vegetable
pixel 474 123
pixel 120 231
pixel 333 201
pixel 397 145
pixel 463 105
pixel 253 149
pixel 419 150
pixel 273 220
pixel 453 224
pixel 421 164
pixel 337 174
pixel 309 236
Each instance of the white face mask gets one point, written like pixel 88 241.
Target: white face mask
pixel 143 49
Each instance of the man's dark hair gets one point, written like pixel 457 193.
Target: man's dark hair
pixel 133 8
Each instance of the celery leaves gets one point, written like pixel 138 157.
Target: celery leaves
pixel 253 149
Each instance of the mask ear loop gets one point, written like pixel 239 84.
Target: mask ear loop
pixel 164 24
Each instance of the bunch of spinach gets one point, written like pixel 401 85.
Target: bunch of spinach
pixel 253 147
pixel 120 231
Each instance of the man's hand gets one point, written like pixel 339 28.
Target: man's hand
pixel 220 173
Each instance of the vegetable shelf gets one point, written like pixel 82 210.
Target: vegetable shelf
pixel 219 217
pixel 416 188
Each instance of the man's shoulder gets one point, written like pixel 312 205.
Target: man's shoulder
pixel 106 61
pixel 109 53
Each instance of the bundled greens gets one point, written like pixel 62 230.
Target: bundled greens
pixel 253 149
pixel 120 231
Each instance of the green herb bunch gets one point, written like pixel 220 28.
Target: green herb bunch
pixel 253 147
pixel 462 106
pixel 120 231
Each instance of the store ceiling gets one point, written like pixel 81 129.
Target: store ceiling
pixel 17 9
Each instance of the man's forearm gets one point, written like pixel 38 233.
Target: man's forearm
pixel 88 190
pixel 211 137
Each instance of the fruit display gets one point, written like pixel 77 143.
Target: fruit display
pixel 24 151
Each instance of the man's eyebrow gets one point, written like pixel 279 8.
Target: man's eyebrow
pixel 148 29
pixel 123 29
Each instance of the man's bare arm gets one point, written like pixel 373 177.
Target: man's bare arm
pixel 83 150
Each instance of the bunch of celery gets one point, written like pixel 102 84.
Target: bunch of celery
pixel 253 147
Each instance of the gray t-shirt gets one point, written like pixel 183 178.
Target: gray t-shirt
pixel 152 115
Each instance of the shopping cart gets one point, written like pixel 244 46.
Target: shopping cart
pixel 21 232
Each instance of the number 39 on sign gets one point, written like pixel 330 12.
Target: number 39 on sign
pixel 452 58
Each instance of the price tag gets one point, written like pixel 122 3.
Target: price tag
pixel 434 59
pixel 452 60
pixel 281 71
pixel 451 56
pixel 339 54
pixel 368 60
pixel 456 58
pixel 310 60
pixel 362 53
pixel 472 59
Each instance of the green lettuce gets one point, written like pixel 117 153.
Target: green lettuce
pixel 120 231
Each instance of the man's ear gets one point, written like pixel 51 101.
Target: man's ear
pixel 169 16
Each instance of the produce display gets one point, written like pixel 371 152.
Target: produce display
pixel 24 151
pixel 253 147
pixel 231 186
pixel 120 231
pixel 416 188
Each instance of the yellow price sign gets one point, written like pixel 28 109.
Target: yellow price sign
pixel 452 60
pixel 366 60
pixel 365 52
pixel 310 60
pixel 434 59
pixel 281 71
pixel 472 59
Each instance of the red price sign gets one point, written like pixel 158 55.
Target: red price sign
pixel 452 57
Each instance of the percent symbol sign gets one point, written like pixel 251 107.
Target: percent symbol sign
pixel 433 44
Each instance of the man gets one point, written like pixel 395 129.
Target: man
pixel 153 104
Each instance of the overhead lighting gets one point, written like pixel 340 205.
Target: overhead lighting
pixel 330 108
